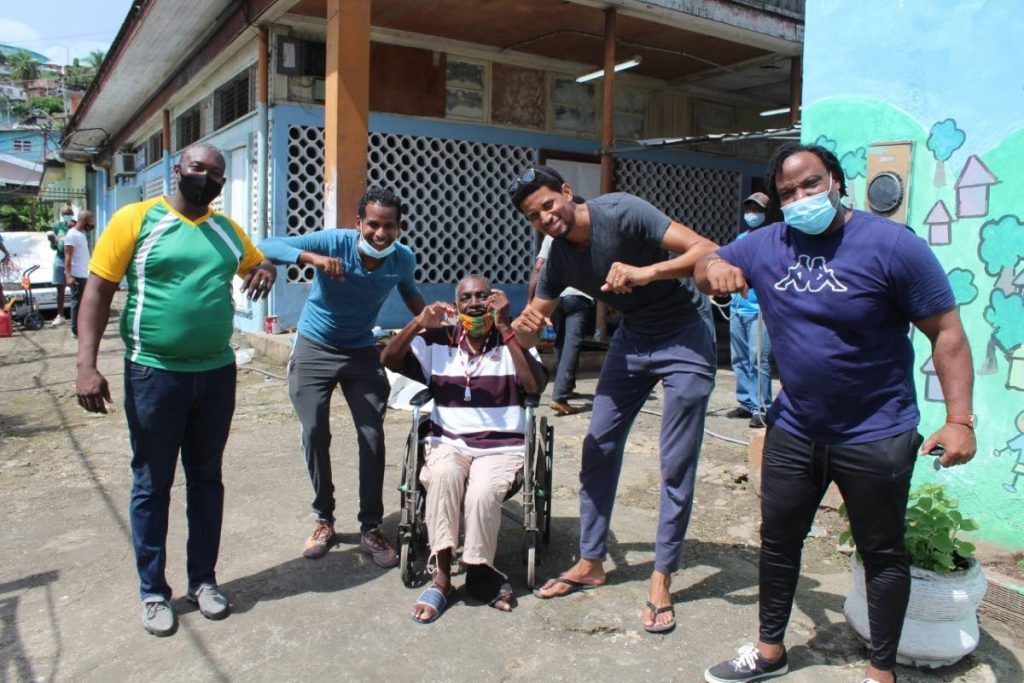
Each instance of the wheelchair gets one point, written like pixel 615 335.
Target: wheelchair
pixel 533 484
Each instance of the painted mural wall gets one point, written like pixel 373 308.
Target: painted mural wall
pixel 946 77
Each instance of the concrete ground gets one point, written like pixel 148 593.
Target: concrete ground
pixel 68 591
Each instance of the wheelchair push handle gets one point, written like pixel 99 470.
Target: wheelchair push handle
pixel 421 398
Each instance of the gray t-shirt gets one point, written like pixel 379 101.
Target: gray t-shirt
pixel 627 229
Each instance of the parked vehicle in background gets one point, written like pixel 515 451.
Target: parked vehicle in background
pixel 29 249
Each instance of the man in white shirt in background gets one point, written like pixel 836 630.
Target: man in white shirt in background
pixel 76 261
pixel 574 319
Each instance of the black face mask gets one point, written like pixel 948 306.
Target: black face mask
pixel 198 189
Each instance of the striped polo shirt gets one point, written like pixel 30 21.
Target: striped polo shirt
pixel 179 311
pixel 492 420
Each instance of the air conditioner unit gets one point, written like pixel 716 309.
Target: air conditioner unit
pixel 124 163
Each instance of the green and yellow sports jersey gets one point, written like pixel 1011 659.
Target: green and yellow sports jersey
pixel 179 311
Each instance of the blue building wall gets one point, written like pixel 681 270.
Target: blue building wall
pixel 288 298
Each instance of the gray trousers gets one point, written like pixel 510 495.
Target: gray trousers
pixel 313 371
pixel 683 361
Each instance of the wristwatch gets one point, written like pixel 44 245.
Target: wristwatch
pixel 965 420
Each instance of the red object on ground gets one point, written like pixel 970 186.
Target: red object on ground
pixel 5 323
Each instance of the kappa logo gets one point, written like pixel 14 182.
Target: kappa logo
pixel 810 275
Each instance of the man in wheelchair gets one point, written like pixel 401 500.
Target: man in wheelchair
pixel 478 375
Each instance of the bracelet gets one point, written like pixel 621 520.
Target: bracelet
pixel 508 337
pixel 711 263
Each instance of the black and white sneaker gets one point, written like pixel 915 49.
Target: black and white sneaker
pixel 748 666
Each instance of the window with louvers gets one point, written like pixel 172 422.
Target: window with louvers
pixel 188 128
pixel 232 100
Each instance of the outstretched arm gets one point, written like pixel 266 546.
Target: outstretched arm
pixel 678 239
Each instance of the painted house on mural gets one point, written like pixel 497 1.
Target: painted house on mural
pixel 930 130
pixel 443 102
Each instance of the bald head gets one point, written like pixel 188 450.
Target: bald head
pixel 207 154
pixel 86 221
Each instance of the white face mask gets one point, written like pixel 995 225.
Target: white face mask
pixel 373 252
pixel 812 215
pixel 753 220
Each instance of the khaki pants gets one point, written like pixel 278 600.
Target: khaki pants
pixel 464 489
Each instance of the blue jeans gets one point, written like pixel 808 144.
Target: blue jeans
pixel 743 342
pixel 574 321
pixel 683 361
pixel 168 412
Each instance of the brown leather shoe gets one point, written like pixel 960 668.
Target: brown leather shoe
pixel 376 546
pixel 321 541
pixel 564 408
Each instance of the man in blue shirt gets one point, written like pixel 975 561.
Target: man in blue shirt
pixel 355 272
pixel 838 290
pixel 748 339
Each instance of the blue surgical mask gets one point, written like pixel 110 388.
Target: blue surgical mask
pixel 811 215
pixel 67 218
pixel 375 253
pixel 754 220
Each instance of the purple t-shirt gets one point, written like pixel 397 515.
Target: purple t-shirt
pixel 838 309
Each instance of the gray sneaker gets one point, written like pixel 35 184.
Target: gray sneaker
pixel 158 618
pixel 212 603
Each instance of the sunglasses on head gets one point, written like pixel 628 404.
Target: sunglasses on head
pixel 529 178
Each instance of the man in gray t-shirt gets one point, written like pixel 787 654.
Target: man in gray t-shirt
pixel 621 250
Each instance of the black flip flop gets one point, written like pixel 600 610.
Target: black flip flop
pixel 574 587
pixel 655 611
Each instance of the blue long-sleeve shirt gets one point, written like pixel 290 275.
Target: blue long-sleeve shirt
pixel 341 314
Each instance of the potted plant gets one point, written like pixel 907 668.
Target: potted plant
pixel 947 584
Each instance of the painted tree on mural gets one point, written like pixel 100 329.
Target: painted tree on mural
pixel 855 165
pixel 962 282
pixel 1001 249
pixel 944 139
pixel 826 142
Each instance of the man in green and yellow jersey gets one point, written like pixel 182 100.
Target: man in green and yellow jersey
pixel 179 257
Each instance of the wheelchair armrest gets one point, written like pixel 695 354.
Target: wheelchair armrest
pixel 531 401
pixel 421 399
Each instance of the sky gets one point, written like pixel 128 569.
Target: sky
pixel 62 29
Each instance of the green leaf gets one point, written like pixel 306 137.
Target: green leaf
pixel 969 525
pixel 965 549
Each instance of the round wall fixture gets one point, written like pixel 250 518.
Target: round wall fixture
pixel 885 192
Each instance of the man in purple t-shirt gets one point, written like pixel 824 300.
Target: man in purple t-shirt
pixel 838 290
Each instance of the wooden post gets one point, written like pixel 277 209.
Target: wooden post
pixel 796 79
pixel 165 145
pixel 346 109
pixel 607 138
pixel 607 114
pixel 263 68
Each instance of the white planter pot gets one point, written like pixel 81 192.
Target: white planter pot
pixel 941 626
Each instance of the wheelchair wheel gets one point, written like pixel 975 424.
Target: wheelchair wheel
pixel 33 321
pixel 530 556
pixel 405 562
pixel 545 463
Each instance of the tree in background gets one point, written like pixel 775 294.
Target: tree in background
pixel 23 67
pixel 20 212
pixel 94 60
pixel 944 139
